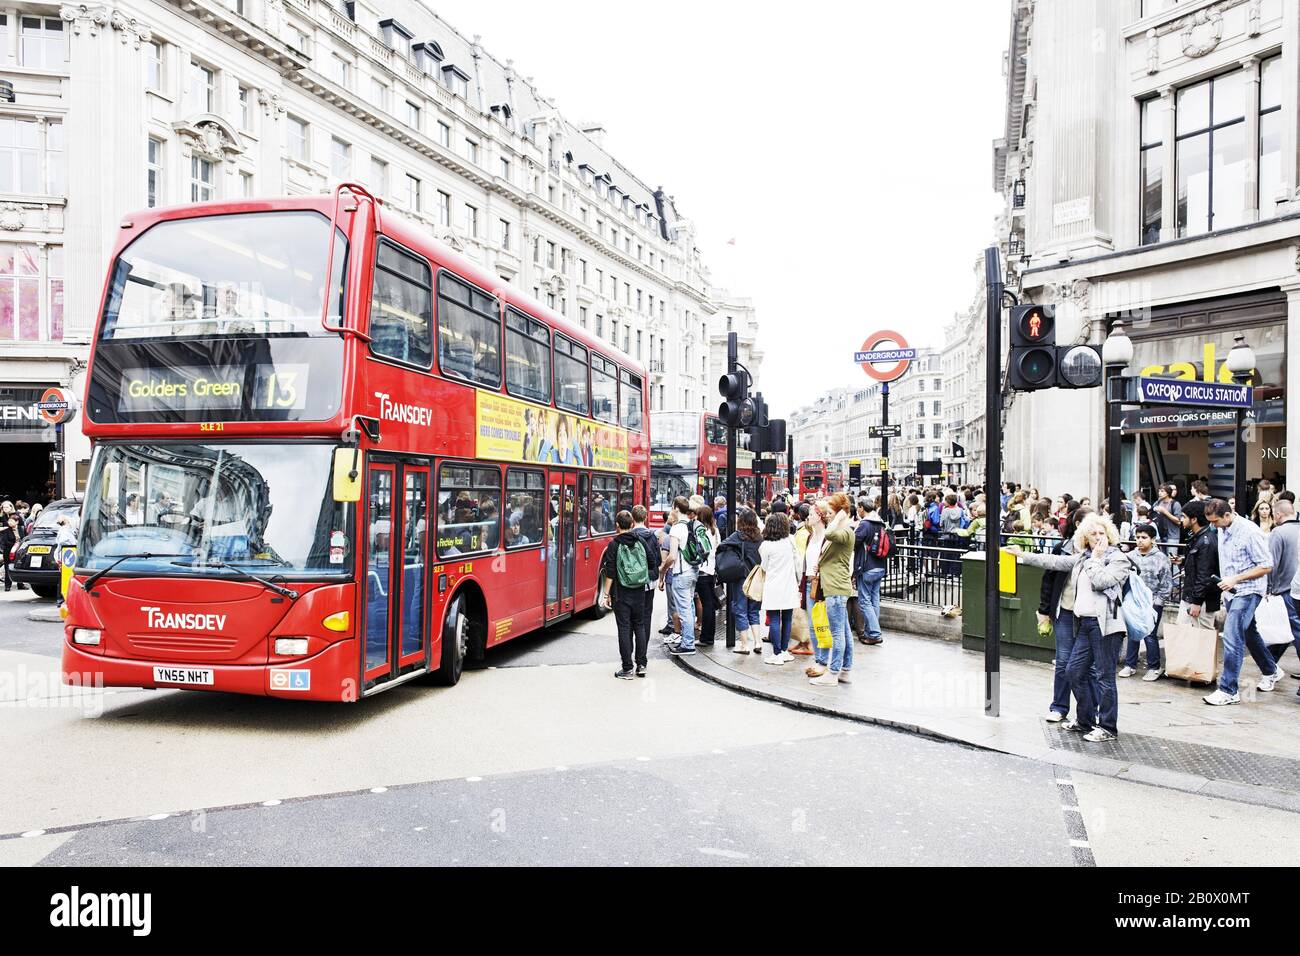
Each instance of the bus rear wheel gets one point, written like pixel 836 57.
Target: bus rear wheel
pixel 455 645
pixel 597 610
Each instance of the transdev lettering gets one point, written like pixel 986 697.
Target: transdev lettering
pixel 183 621
pixel 403 411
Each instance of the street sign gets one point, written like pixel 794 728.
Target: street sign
pixel 871 353
pixel 1174 391
pixel 882 464
pixel 885 431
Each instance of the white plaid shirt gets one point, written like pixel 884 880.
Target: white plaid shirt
pixel 1244 547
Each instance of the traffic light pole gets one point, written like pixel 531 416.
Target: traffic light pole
pixel 992 480
pixel 733 360
pixel 789 468
pixel 884 445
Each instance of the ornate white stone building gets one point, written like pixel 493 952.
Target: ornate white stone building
pixel 122 105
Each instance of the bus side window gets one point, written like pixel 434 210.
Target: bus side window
pixel 401 308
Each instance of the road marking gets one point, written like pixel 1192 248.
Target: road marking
pixel 270 803
pixel 33 833
pixel 1081 843
pixel 159 816
pixel 1064 783
pixel 378 789
pixel 473 779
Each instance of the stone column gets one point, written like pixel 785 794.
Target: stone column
pixel 1252 205
pixel 1290 165
pixel 1292 373
pixel 105 148
pixel 1168 186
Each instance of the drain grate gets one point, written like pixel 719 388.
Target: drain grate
pixel 1216 763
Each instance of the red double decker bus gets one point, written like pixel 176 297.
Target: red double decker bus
pixel 689 457
pixel 331 456
pixel 812 478
pixel 834 477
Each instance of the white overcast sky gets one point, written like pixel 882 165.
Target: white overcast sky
pixel 846 147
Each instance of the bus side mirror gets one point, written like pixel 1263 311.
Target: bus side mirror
pixel 347 474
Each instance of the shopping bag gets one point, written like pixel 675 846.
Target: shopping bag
pixel 800 631
pixel 1192 653
pixel 857 620
pixel 821 624
pixel 754 581
pixel 1272 621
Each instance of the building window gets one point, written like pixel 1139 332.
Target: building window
pixel 1210 154
pixel 45 43
pixel 378 175
pixel 444 134
pixel 340 158
pixel 299 142
pixel 246 185
pixel 379 94
pixel 471 151
pixel 582 315
pixel 412 115
pixel 1152 168
pixel 202 89
pixel 341 70
pixel 582 271
pixel 297 39
pixel 20 292
pixel 1270 134
pixel 396 37
pixel 28 165
pixel 245 108
pixel 202 188
pixel 638 345
pixel 471 220
pixel 937 406
pixel 55 270
pixel 444 208
pixel 455 80
pixel 550 254
pixel 153 66
pixel 505 169
pixel 412 193
pixel 503 233
pixel 154 177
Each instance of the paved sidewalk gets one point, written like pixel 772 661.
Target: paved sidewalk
pixel 1168 736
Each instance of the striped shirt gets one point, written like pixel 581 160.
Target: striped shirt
pixel 1244 547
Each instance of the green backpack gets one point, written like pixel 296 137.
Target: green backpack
pixel 633 570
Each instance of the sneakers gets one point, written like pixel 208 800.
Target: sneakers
pixel 640 670
pixel 1269 682
pixel 1098 735
pixel 1156 674
pixel 774 659
pixel 1053 717
pixel 845 678
pixel 672 639
pixel 1220 699
pixel 1125 671
pixel 678 651
pixel 667 629
pixel 624 675
pixel 872 641
pixel 828 679
pixel 787 656
pixel 1074 726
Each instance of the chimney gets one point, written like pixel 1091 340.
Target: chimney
pixel 595 132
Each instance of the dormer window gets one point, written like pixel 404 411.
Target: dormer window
pixel 428 57
pixel 587 173
pixel 396 37
pixel 456 80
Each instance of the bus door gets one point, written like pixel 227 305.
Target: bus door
pixel 396 593
pixel 561 541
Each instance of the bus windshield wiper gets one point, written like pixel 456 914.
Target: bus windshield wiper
pixel 271 585
pixel 90 581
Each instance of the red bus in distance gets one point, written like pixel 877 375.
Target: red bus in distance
pixel 812 478
pixel 331 456
pixel 689 457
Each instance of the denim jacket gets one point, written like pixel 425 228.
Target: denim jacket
pixel 1108 575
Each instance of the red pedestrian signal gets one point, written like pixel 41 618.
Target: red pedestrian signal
pixel 1033 325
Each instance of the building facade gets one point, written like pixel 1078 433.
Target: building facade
pixel 120 106
pixel 1151 171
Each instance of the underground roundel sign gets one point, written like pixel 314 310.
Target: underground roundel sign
pixel 56 405
pixel 885 356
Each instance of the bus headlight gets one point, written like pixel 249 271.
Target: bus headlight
pixel 291 646
pixel 86 635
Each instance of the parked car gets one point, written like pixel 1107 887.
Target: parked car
pixel 36 561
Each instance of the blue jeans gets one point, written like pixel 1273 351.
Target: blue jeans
pixel 1152 643
pixel 778 628
pixel 1240 633
pixel 1092 675
pixel 1293 616
pixel 683 585
pixel 869 599
pixel 837 610
pixel 744 612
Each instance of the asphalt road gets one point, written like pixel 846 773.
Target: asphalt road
pixel 543 759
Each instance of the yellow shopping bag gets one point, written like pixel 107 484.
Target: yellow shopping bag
pixel 821 624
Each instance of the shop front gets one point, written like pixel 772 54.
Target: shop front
pixel 32 446
pixel 1191 341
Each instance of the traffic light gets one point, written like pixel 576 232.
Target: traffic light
pixel 737 409
pixel 1037 362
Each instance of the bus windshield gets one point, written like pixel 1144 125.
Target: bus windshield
pixel 244 274
pixel 250 506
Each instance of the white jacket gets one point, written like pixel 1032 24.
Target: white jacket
pixel 780 565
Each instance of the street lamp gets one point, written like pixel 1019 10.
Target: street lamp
pixel 1241 363
pixel 1116 354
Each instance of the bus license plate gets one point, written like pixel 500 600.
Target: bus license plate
pixel 182 675
pixel 39 549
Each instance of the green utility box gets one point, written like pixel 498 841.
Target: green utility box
pixel 1018 617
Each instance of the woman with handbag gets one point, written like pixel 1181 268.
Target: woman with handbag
pixel 816 526
pixel 835 570
pixel 778 559
pixel 745 611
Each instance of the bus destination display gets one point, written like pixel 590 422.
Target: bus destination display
pixel 264 387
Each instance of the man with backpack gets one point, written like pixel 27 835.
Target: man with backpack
pixel 872 545
pixel 654 557
pixel 626 570
pixel 688 546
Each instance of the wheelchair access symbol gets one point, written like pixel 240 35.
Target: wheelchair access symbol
pixel 290 680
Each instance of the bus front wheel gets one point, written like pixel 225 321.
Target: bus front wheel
pixel 455 645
